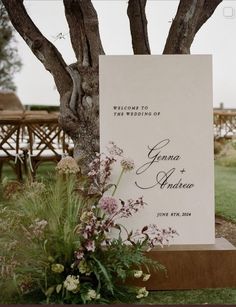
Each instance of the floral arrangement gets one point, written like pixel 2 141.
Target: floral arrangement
pixel 58 244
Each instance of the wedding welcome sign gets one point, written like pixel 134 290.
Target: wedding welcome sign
pixel 158 109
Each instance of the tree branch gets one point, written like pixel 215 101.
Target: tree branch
pixel 138 26
pixel 184 27
pixel 207 11
pixel 84 31
pixel 44 50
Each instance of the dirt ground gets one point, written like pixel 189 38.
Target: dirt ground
pixel 226 229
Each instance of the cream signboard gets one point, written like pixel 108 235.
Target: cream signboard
pixel 158 109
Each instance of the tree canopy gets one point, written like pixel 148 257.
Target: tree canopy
pixel 9 59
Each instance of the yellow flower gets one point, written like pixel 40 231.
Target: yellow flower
pixel 51 259
pixel 84 267
pixel 57 268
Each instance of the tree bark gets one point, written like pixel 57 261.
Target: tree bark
pixel 207 11
pixel 84 31
pixel 84 100
pixel 138 26
pixel 190 16
pixel 77 83
pixel 183 27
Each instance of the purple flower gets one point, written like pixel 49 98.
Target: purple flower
pixel 131 207
pixel 79 255
pixel 90 246
pixel 108 204
pixel 155 236
pixel 100 169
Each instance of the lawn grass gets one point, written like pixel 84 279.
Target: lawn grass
pixel 45 170
pixel 225 192
pixel 206 296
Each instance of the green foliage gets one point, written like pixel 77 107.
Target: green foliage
pixel 37 251
pixel 9 60
pixel 24 238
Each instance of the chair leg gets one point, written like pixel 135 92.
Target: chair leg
pixel 1 166
pixel 19 171
pixel 25 165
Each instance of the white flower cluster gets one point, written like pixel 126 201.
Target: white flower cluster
pixel 127 164
pixel 142 292
pixel 114 150
pixel 67 165
pixel 92 295
pixel 72 283
pixel 139 274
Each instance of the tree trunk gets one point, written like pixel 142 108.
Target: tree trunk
pixel 138 26
pixel 79 113
pixel 77 83
pixel 190 16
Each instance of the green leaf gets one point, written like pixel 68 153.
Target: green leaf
pixel 50 291
pixel 105 274
pixel 58 288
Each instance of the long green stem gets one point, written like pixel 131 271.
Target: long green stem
pixel 118 181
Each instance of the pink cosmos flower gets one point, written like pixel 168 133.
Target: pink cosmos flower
pixel 108 204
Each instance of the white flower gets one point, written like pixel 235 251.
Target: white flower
pixel 72 283
pixel 92 295
pixel 146 277
pixel 67 165
pixel 138 274
pixel 127 164
pixel 142 292
pixel 114 150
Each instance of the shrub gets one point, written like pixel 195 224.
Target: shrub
pixel 57 244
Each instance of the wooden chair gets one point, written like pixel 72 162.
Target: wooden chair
pixel 46 140
pixel 10 138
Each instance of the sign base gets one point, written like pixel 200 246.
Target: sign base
pixel 194 266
